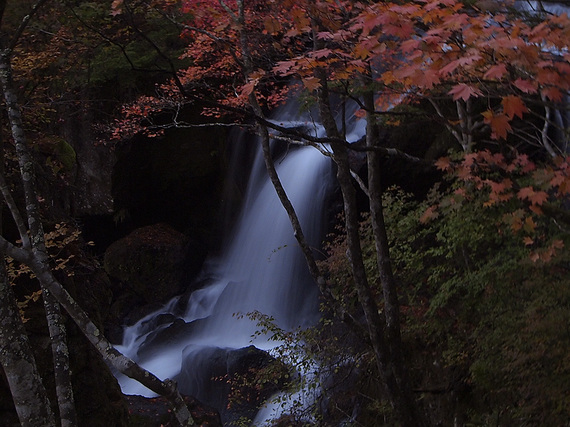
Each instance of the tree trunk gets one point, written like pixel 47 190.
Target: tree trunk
pixel 403 399
pixel 60 352
pixel 374 322
pixel 61 364
pixel 16 357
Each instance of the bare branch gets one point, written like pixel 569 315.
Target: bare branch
pixel 360 183
pixel 24 24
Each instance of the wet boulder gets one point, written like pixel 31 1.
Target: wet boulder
pixel 167 334
pixel 150 266
pixel 234 381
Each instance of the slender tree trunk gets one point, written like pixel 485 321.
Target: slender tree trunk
pixel 268 160
pixel 16 357
pixel 374 322
pixel 61 363
pixel 60 352
pixel 403 399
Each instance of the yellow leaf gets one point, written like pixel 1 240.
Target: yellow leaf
pixel 311 83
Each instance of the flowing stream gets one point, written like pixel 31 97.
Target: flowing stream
pixel 261 269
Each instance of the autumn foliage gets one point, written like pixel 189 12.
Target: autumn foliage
pixel 498 68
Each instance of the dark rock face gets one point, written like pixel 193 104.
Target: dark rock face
pixel 151 265
pixel 166 334
pixel 156 412
pixel 176 179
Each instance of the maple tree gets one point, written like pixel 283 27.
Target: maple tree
pixel 533 189
pixel 473 284
pixel 496 67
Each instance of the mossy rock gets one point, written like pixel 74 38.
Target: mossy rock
pixel 66 154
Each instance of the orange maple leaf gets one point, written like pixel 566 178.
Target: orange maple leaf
pixel 429 214
pixel 513 106
pixel 272 25
pixel 247 88
pixel 528 241
pixel 500 125
pixel 443 163
pixel 311 83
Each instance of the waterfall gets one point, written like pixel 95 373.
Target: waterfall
pixel 261 269
pixel 536 6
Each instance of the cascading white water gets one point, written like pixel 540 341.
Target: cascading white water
pixel 536 6
pixel 262 269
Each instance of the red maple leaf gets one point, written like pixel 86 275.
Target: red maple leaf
pixel 552 93
pixel 526 86
pixel 538 198
pixel 321 53
pixel 464 91
pixel 496 72
pixel 284 67
pixel 429 214
pixel 525 193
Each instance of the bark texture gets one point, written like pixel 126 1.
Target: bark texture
pixel 16 357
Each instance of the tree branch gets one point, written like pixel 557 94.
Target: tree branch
pixel 23 25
